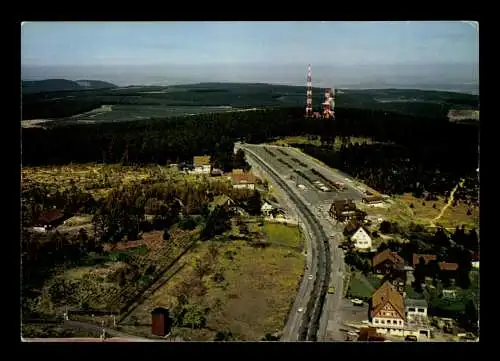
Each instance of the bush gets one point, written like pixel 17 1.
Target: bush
pixel 187 223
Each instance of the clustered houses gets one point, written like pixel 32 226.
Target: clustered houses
pixel 449 268
pixel 392 314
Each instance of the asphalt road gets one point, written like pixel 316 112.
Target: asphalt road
pixel 318 203
pixel 295 320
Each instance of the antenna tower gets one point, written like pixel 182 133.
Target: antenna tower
pixel 309 92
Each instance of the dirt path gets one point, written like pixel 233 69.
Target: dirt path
pixel 450 201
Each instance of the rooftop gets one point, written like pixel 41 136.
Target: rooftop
pixel 243 178
pixel 445 266
pixel 387 254
pixel 201 160
pixel 387 294
pixel 427 258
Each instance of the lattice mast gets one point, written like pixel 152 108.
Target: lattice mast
pixel 327 104
pixel 309 100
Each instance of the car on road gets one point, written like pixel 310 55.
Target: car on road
pixel 411 338
pixel 300 309
pixel 331 290
pixel 357 302
pixel 310 277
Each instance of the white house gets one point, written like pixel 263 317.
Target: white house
pixel 416 310
pixel 266 209
pixel 362 239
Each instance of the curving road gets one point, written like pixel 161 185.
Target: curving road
pixel 324 258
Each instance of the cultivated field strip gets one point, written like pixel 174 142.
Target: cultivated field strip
pixel 312 314
pixel 165 255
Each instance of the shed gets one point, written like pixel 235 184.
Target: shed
pixel 161 322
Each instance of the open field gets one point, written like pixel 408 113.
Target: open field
pixel 283 235
pixel 253 299
pixel 100 179
pixel 120 113
pixel 424 213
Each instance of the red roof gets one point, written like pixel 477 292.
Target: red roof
pixel 445 266
pixel 50 216
pixel 427 258
pixel 387 254
pixel 243 178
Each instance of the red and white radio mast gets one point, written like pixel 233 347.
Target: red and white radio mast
pixel 328 104
pixel 309 92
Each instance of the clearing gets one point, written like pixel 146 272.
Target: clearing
pixel 248 290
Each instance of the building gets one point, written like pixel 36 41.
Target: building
pixel 202 164
pixel 386 261
pixel 222 201
pixel 448 269
pixel 392 266
pixel 343 210
pixel 416 311
pixel 371 198
pixel 266 209
pixel 362 239
pixel 475 260
pixel 161 322
pixel 243 180
pixel 50 219
pixel 387 310
pixel 427 258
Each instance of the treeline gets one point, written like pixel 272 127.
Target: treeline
pixel 177 139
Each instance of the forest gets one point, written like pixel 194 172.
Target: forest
pixel 63 104
pixel 409 154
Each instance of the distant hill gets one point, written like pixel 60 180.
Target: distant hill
pixel 53 85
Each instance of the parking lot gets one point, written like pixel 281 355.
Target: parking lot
pixel 348 312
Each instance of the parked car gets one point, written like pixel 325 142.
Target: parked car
pixel 411 338
pixel 300 309
pixel 331 290
pixel 357 302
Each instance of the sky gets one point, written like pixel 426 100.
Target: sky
pixel 208 47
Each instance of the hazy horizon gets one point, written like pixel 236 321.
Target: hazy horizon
pixel 419 54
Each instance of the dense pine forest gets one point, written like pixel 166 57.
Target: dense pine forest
pixel 409 154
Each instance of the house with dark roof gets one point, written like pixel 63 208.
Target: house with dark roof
pixel 344 210
pixel 51 218
pixel 393 267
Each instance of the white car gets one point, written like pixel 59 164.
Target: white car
pixel 310 277
pixel 357 301
pixel 300 309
